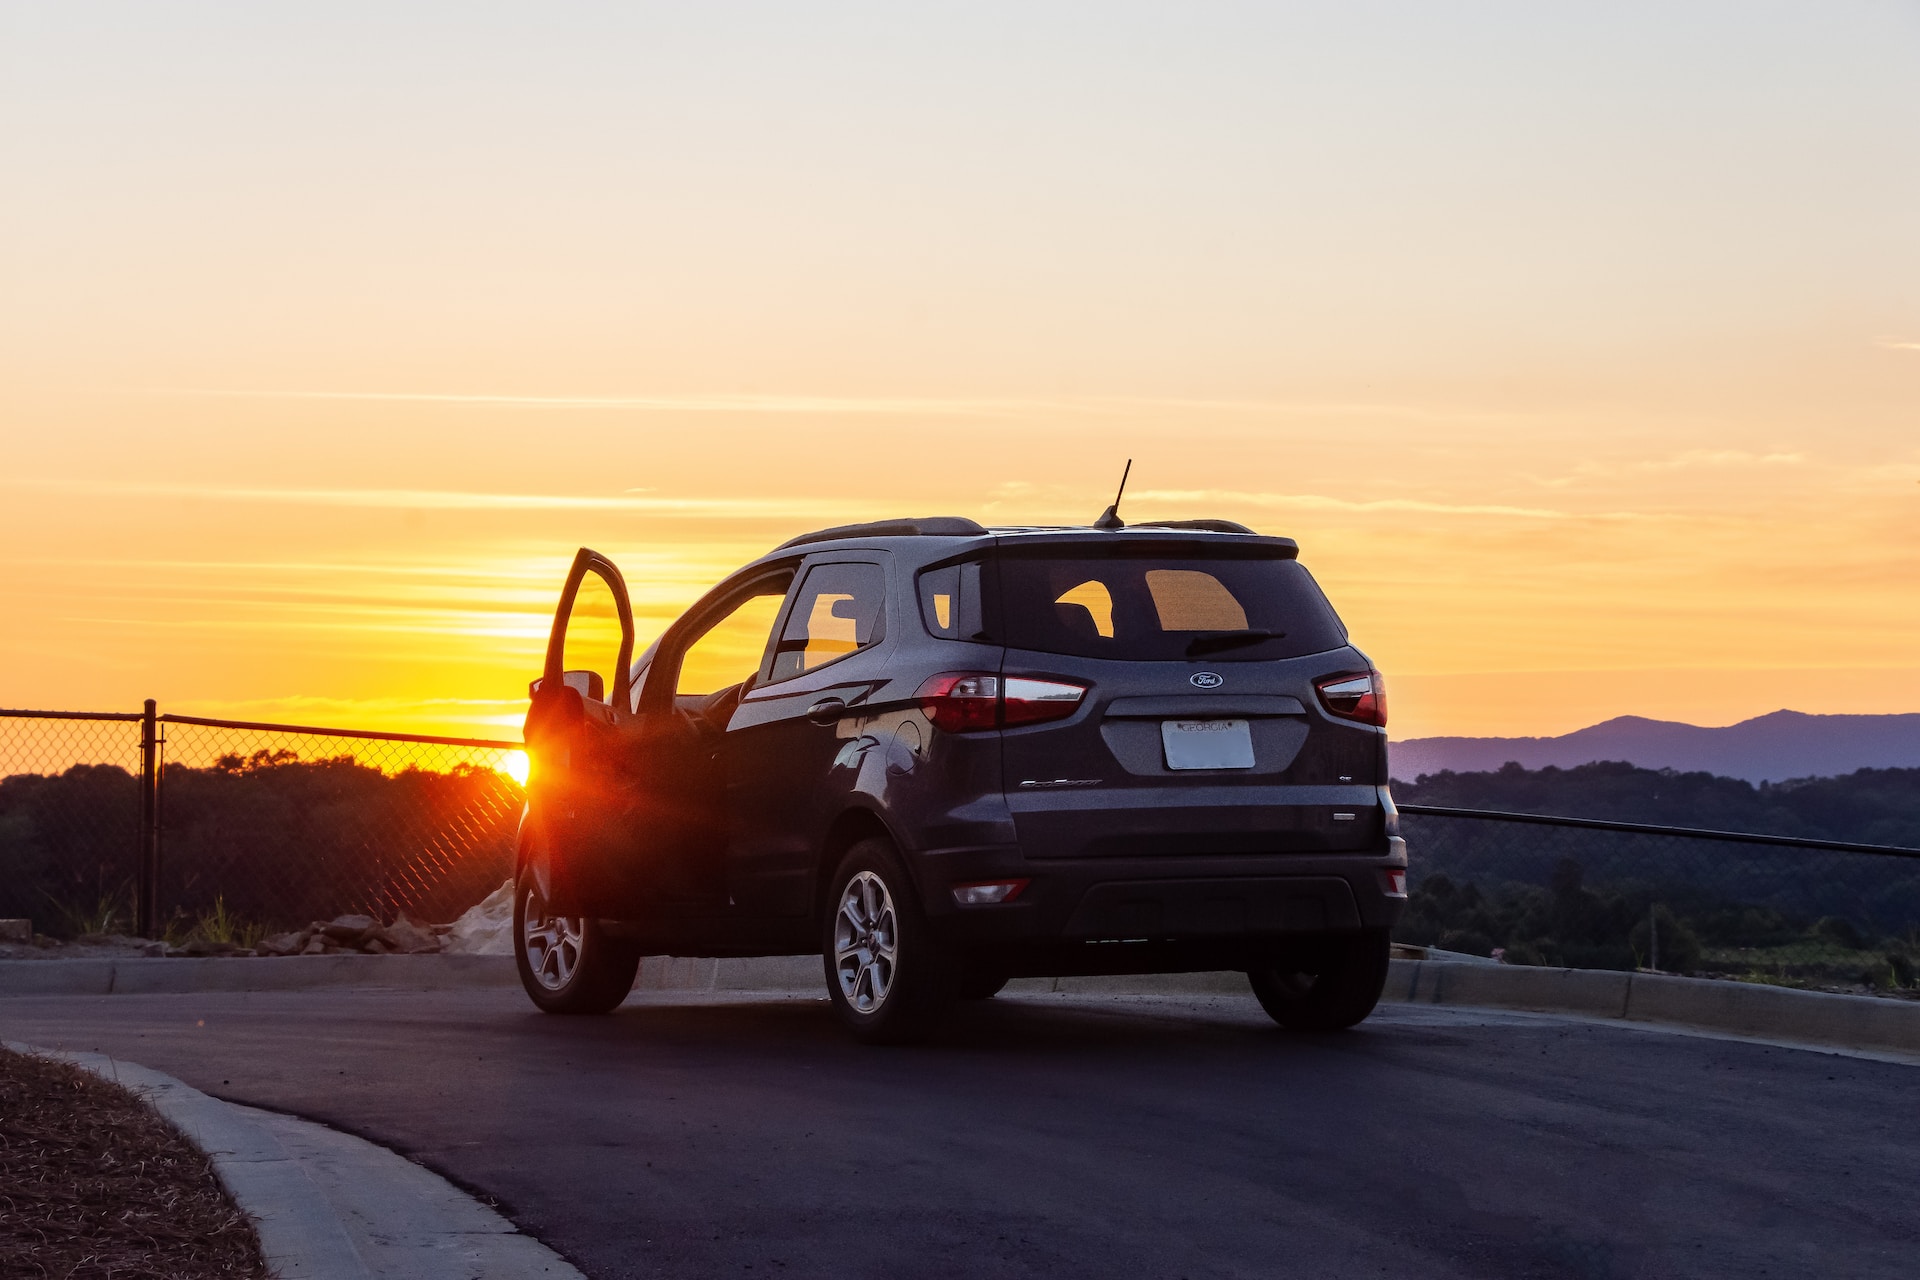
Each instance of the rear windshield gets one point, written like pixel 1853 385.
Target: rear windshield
pixel 1138 607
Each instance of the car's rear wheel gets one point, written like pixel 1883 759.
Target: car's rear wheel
pixel 567 964
pixel 1328 986
pixel 887 975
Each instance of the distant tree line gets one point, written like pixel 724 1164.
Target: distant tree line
pixel 1547 895
pixel 1872 806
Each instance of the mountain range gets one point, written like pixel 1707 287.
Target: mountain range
pixel 1773 747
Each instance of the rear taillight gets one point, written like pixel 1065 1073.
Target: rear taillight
pixel 969 701
pixel 1029 701
pixel 961 701
pixel 1361 697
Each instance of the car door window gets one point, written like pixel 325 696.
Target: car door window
pixel 593 635
pixel 837 611
pixel 731 650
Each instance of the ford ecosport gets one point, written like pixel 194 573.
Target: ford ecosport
pixel 942 756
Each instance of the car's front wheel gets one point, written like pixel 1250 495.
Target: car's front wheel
pixel 887 975
pixel 567 964
pixel 1327 987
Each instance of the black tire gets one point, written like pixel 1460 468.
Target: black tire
pixel 889 978
pixel 980 984
pixel 567 964
pixel 1329 987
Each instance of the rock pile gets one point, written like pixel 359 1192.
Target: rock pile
pixel 357 933
pixel 486 928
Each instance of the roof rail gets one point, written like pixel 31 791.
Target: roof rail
pixel 919 526
pixel 1203 526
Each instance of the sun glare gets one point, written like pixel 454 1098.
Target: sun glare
pixel 515 766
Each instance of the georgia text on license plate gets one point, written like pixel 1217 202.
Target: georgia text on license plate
pixel 1207 744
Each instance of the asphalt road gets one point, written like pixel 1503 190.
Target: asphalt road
pixel 1043 1136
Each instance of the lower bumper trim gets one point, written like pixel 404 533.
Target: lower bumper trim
pixel 1214 908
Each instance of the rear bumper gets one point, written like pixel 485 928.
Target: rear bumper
pixel 1119 915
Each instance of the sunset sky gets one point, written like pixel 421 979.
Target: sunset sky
pixel 1578 344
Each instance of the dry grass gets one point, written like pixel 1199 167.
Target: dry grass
pixel 95 1186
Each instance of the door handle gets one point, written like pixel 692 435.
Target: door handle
pixel 827 711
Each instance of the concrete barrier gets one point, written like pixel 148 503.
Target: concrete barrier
pixel 1594 993
pixel 752 973
pixel 1755 1009
pixel 1739 1008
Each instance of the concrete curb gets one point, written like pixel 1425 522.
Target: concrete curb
pixel 1739 1008
pixel 1593 993
pixel 144 976
pixel 329 1206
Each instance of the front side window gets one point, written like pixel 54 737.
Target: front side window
pixel 837 611
pixel 1193 600
pixel 730 651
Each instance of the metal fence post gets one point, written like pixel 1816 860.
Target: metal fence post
pixel 147 906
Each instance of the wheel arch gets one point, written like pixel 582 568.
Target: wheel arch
pixel 854 824
pixel 520 837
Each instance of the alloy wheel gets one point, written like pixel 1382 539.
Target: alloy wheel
pixel 551 943
pixel 865 942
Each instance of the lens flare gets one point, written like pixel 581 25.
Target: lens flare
pixel 516 766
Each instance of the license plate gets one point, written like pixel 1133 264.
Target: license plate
pixel 1207 744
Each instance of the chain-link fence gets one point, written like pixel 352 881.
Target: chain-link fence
pixel 70 808
pixel 1589 894
pixel 235 828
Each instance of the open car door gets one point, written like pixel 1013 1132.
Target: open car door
pixel 611 803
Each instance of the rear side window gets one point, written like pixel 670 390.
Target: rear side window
pixel 1138 607
pixel 950 601
pixel 836 612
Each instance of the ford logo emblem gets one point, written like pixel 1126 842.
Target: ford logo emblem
pixel 1206 679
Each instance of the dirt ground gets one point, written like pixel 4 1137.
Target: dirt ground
pixel 94 1184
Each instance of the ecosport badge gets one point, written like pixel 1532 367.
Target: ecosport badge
pixel 1206 679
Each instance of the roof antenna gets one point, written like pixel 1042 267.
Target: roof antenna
pixel 1110 518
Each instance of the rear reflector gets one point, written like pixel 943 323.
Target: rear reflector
pixel 1396 882
pixel 969 701
pixel 987 892
pixel 1361 696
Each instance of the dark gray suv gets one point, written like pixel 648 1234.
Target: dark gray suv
pixel 943 756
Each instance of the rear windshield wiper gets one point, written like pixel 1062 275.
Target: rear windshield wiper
pixel 1220 641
